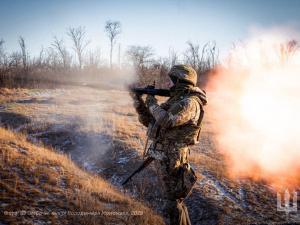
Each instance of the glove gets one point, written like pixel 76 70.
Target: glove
pixel 150 100
pixel 133 95
pixel 137 100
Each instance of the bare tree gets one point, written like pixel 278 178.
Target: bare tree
pixel 112 28
pixel 93 60
pixel 119 56
pixel 287 50
pixel 15 60
pixel 66 58
pixel 23 51
pixel 1 45
pixel 40 58
pixel 53 60
pixel 205 59
pixel 192 55
pixel 139 55
pixel 212 55
pixel 77 35
pixel 173 57
pixel 201 60
pixel 2 56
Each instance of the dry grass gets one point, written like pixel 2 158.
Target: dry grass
pixel 9 95
pixel 28 175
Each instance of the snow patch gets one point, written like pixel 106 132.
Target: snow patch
pixel 123 160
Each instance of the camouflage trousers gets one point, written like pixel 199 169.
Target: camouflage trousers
pixel 168 170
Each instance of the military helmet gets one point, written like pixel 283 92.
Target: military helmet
pixel 185 73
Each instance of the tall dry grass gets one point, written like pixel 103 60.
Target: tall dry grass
pixel 38 179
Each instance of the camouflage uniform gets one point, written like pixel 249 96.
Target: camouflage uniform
pixel 173 127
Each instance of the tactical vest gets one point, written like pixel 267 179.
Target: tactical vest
pixel 188 133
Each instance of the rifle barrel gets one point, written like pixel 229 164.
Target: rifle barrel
pixel 151 91
pixel 143 166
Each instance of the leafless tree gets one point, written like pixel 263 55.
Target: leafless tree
pixel 2 45
pixel 140 55
pixel 53 60
pixel 15 60
pixel 2 56
pixel 213 52
pixel 23 51
pixel 93 60
pixel 77 35
pixel 119 56
pixel 41 58
pixel 112 28
pixel 202 60
pixel 191 55
pixel 66 58
pixel 287 50
pixel 173 57
pixel 238 51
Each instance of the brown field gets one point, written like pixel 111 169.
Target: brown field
pixel 69 150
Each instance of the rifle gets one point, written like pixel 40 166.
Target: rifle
pixel 143 166
pixel 151 90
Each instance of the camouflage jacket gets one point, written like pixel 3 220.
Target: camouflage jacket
pixel 178 119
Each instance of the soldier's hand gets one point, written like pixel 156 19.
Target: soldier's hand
pixel 137 99
pixel 137 104
pixel 134 95
pixel 150 100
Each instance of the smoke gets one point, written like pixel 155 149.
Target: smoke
pixel 256 107
pixel 126 75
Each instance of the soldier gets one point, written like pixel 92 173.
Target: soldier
pixel 173 127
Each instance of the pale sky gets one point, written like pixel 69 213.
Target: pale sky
pixel 160 24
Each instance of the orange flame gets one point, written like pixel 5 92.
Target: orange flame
pixel 257 110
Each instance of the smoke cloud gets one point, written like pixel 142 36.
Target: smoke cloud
pixel 256 107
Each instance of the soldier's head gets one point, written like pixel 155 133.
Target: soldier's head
pixel 182 74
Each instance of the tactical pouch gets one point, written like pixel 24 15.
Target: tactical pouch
pixel 186 180
pixel 153 130
pixel 156 151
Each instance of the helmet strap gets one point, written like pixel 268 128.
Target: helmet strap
pixel 174 79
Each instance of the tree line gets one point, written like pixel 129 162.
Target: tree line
pixel 58 64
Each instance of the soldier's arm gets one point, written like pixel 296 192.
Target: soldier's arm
pixel 185 111
pixel 140 107
pixel 144 116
